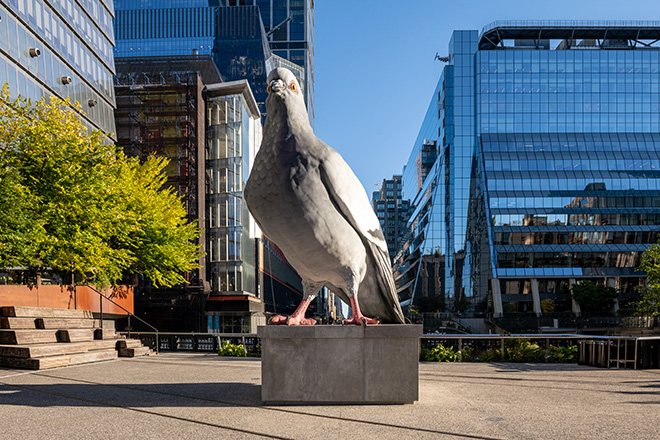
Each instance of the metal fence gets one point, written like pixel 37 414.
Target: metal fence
pixel 197 342
pixel 599 351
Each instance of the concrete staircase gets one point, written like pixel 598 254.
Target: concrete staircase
pixel 37 338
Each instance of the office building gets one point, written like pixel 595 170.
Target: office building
pixel 234 37
pixel 179 108
pixel 545 137
pixel 392 212
pixel 161 110
pixel 289 26
pixel 61 49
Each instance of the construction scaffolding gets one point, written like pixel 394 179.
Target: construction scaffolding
pixel 162 113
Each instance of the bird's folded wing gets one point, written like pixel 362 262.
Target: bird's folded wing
pixel 347 193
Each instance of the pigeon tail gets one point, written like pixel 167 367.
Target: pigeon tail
pixel 383 273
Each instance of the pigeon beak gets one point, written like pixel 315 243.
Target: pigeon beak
pixel 276 85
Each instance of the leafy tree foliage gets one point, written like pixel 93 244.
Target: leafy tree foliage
pixel 72 202
pixel 650 263
pixel 592 296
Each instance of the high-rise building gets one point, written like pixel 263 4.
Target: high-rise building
pixel 161 110
pixel 289 26
pixel 392 212
pixel 234 36
pixel 61 49
pixel 545 139
pixel 164 42
pixel 179 108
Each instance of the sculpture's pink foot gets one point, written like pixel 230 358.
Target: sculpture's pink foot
pixel 299 320
pixel 298 317
pixel 358 318
pixel 361 320
pixel 278 319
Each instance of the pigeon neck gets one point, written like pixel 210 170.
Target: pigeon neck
pixel 285 124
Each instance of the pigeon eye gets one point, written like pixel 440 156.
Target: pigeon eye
pixel 293 87
pixel 267 89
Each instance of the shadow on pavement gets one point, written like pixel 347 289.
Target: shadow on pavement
pixel 131 395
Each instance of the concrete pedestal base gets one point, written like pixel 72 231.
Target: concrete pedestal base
pixel 339 364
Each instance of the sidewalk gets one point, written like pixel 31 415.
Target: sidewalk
pixel 201 396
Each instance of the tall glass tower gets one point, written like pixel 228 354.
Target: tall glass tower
pixel 546 166
pixel 61 49
pixel 289 26
pixel 245 38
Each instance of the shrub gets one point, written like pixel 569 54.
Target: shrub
pixel 521 350
pixel 562 354
pixel 442 354
pixel 229 349
pixel 468 355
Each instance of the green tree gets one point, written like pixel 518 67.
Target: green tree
pixel 592 296
pixel 72 202
pixel 650 303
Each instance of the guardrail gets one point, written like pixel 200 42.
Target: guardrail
pixel 103 297
pixel 598 351
pixel 197 342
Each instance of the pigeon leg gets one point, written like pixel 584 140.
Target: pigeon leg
pixel 298 317
pixel 358 318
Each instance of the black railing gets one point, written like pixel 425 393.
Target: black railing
pixel 598 351
pixel 155 333
pixel 199 342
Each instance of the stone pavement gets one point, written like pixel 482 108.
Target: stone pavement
pixel 202 396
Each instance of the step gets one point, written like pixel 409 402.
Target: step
pixel 105 333
pixel 42 312
pixel 129 343
pixel 17 323
pixel 58 361
pixel 62 323
pixel 134 352
pixel 27 336
pixel 59 348
pixel 75 335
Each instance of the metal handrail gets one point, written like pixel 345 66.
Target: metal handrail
pixel 129 315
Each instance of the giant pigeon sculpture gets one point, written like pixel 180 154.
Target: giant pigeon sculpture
pixel 307 200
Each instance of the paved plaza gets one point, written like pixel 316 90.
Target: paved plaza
pixel 202 396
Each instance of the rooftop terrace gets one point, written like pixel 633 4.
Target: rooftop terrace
pixel 635 34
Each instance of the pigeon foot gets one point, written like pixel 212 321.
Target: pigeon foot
pixel 361 320
pixel 278 319
pixel 300 321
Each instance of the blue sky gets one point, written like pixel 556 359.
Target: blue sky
pixel 375 69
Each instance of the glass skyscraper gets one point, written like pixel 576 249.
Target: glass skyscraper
pixel 544 139
pixel 245 38
pixel 61 48
pixel 289 26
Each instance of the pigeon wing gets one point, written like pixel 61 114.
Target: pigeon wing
pixel 348 195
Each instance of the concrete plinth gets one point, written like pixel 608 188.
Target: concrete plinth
pixel 339 364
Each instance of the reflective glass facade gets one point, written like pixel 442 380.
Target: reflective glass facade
pixel 548 158
pixel 241 36
pixel 60 48
pixel 289 26
pixel 232 136
pixel 234 37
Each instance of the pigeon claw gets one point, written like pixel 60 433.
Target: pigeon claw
pixel 362 320
pixel 278 320
pixel 300 321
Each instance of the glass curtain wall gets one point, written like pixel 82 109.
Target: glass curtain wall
pixel 231 259
pixel 60 49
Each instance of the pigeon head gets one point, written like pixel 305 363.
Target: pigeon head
pixel 284 92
